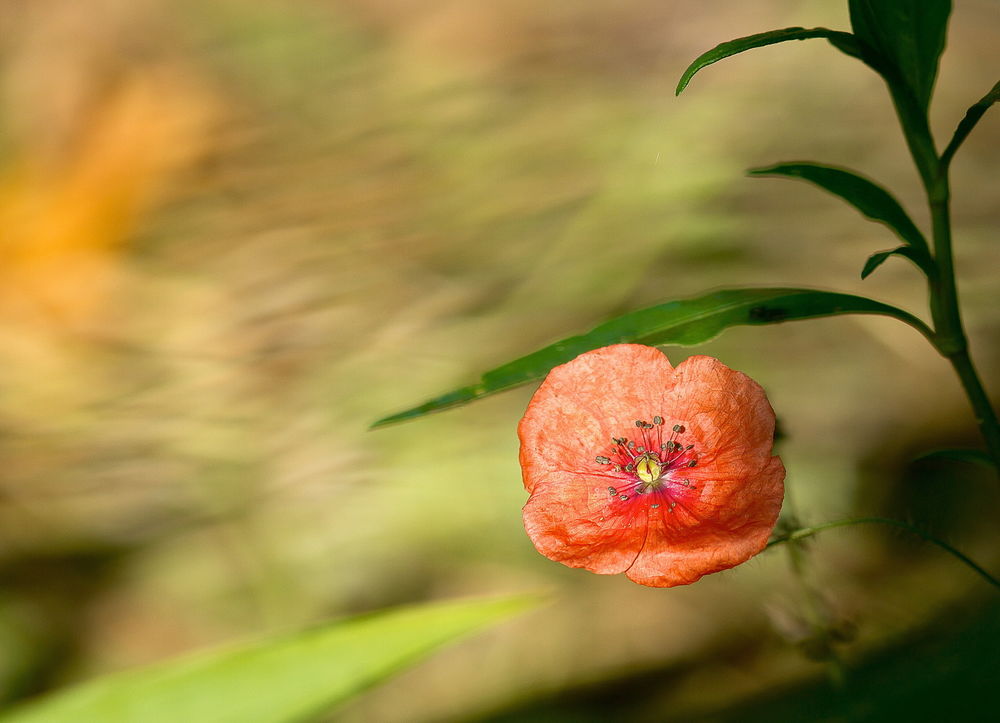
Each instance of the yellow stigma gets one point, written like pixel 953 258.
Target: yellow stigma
pixel 648 469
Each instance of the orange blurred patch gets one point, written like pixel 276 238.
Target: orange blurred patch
pixel 64 223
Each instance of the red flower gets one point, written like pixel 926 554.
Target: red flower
pixel 634 466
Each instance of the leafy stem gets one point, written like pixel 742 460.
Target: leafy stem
pixel 949 333
pixel 804 532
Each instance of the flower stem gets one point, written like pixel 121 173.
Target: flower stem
pixel 804 532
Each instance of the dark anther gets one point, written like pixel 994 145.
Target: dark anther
pixel 630 467
pixel 679 428
pixel 612 491
pixel 631 445
pixel 657 420
pixel 623 497
pixel 690 446
pixel 602 460
pixel 655 506
pixel 663 446
pixel 639 423
pixel 692 463
pixel 640 448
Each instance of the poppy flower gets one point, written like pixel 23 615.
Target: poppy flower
pixel 635 466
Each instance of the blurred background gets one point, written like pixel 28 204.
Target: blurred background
pixel 236 233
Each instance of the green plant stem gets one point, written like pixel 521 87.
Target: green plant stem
pixel 949 333
pixel 805 532
pixel 985 415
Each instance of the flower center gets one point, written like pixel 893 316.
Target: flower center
pixel 648 468
pixel 651 464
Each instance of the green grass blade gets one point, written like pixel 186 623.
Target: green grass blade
pixel 283 679
pixel 684 322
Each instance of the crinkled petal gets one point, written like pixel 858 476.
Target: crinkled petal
pixel 675 555
pixel 570 520
pixel 581 405
pixel 726 411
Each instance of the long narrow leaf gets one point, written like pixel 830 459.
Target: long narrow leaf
pixel 967 123
pixel 283 679
pixel 908 34
pixel 877 259
pixel 684 322
pixel 845 42
pixel 873 201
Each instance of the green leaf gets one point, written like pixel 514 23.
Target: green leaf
pixel 971 456
pixel 877 259
pixel 967 123
pixel 283 679
pixel 845 42
pixel 908 34
pixel 873 201
pixel 685 322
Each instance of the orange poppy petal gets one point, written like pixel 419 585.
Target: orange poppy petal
pixel 570 521
pixel 680 559
pixel 579 403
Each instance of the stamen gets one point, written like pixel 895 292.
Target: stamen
pixel 657 420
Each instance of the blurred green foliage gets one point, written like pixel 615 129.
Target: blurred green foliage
pixel 288 678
